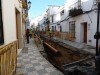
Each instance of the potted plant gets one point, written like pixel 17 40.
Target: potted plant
pixel 75 12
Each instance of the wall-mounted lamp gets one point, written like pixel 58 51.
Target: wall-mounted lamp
pixel 29 4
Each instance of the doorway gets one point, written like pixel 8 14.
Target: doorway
pixel 60 29
pixel 18 28
pixel 85 32
pixel 52 28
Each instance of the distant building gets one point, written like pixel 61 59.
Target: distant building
pixel 27 23
pixel 35 22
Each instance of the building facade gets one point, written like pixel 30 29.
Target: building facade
pixel 11 22
pixel 10 35
pixel 83 24
pixel 77 18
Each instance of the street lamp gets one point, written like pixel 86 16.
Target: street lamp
pixel 97 37
pixel 29 5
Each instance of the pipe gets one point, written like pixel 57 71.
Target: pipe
pixel 52 48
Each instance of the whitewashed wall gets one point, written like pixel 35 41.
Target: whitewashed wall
pixel 91 27
pixel 90 18
pixel 9 19
pixel 41 24
pixel 55 12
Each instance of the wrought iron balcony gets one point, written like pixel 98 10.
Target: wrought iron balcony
pixel 75 12
pixel 24 4
pixel 76 5
pixel 24 16
pixel 75 9
pixel 46 21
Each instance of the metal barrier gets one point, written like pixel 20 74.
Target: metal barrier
pixel 8 59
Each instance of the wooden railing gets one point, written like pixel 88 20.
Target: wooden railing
pixel 68 36
pixel 8 59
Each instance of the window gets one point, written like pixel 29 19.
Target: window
pixel 52 19
pixel 60 29
pixel 1 27
pixel 72 28
pixel 52 28
pixel 41 25
pixel 62 12
pixel 55 28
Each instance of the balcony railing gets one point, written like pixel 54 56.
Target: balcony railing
pixel 24 17
pixel 76 5
pixel 75 9
pixel 8 59
pixel 24 4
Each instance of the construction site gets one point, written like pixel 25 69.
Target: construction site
pixel 71 60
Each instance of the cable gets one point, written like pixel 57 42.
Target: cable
pixel 89 17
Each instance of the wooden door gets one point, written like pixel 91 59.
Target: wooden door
pixel 85 33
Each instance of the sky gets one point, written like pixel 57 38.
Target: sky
pixel 39 6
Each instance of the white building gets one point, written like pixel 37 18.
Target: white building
pixel 11 38
pixel 54 16
pixel 37 22
pixel 12 21
pixel 81 25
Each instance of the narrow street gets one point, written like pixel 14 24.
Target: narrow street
pixel 31 62
pixel 50 37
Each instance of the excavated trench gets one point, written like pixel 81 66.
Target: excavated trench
pixel 62 56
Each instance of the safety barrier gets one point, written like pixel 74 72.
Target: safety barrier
pixel 8 58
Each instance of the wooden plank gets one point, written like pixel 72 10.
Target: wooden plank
pixel 5 63
pixel 2 64
pixel 8 59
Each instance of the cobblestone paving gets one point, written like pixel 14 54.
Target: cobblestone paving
pixel 31 62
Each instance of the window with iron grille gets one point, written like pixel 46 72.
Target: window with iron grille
pixel 72 28
pixel 60 29
pixel 52 19
pixel 52 28
pixel 55 28
pixel 1 26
